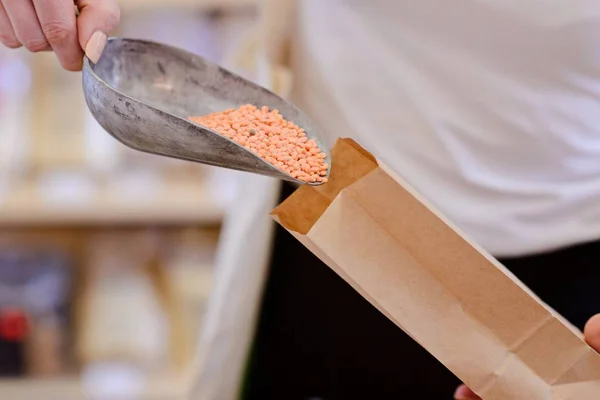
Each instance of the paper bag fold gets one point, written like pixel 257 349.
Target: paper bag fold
pixel 451 297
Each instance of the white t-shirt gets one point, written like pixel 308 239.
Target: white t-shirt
pixel 489 108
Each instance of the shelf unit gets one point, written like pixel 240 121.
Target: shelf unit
pixel 30 204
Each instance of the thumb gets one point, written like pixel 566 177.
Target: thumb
pixel 97 19
pixel 592 332
pixel 592 337
pixel 464 393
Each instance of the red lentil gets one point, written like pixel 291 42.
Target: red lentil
pixel 266 133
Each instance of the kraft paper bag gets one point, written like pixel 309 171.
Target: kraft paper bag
pixel 450 296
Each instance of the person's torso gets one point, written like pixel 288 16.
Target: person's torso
pixel 490 109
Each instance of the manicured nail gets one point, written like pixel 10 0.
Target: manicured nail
pixel 95 46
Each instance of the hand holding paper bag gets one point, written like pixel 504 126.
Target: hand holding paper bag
pixel 456 301
pixel 592 337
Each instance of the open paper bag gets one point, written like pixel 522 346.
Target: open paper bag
pixel 456 301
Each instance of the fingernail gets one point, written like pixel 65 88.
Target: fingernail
pixel 95 46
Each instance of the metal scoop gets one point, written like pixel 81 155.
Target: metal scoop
pixel 143 92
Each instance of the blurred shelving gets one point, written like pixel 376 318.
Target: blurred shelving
pixel 163 387
pixel 182 277
pixel 59 171
pixel 127 5
pixel 170 203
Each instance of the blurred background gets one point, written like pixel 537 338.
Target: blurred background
pixel 107 255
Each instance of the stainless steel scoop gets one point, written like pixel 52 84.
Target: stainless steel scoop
pixel 143 92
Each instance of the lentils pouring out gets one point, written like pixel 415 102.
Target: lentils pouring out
pixel 278 141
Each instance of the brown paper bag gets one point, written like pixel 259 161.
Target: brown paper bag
pixel 451 297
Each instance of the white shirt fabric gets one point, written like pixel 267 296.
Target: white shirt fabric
pixel 490 109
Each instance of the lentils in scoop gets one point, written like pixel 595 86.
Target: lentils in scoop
pixel 266 133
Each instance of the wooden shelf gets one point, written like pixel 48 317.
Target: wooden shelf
pixel 158 388
pixel 173 203
pixel 135 5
